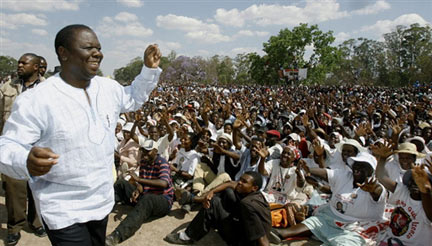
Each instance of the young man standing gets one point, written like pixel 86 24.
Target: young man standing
pixel 17 191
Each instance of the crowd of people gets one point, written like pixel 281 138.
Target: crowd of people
pixel 330 157
pixel 345 165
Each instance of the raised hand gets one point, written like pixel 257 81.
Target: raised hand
pixel 262 151
pixel 152 56
pixel 382 151
pixel 421 178
pixel 40 161
pixel 237 124
pixel 361 130
pixel 369 185
pixel 318 148
pixel 305 120
pixel 303 166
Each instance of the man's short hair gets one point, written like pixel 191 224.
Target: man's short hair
pixel 34 57
pixel 42 58
pixel 65 35
pixel 257 179
pixel 256 138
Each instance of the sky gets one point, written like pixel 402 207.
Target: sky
pixel 191 27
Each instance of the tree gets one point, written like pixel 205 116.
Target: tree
pixel 225 70
pixel 361 61
pixel 288 49
pixel 8 66
pixel 242 65
pixel 258 68
pixel 184 69
pixel 125 75
pixel 407 48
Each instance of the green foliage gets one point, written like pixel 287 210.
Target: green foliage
pixel 288 50
pixel 405 56
pixel 225 71
pixel 242 66
pixel 8 66
pixel 127 74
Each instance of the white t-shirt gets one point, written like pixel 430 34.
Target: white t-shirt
pixel 353 204
pixel 213 130
pixel 275 151
pixel 394 171
pixel 164 146
pixel 281 186
pixel 310 163
pixel 187 161
pixel 408 222
pixel 334 160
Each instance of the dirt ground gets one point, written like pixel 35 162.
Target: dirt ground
pixel 151 233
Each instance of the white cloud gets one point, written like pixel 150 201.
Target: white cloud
pixel 229 17
pixel 131 3
pixel 342 36
pixel 385 26
pixel 40 32
pixel 41 5
pixel 125 17
pixel 123 24
pixel 373 8
pixel 12 21
pixel 168 46
pixel 194 28
pixel 242 50
pixel 120 55
pixel 184 23
pixel 16 49
pixel 249 33
pixel 262 34
pixel 274 14
pixel 203 52
pixel 314 11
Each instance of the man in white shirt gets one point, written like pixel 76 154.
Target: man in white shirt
pixel 60 137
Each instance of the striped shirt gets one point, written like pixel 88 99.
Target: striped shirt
pixel 159 170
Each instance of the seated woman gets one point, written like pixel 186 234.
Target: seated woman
pixel 128 151
pixel 411 219
pixel 357 197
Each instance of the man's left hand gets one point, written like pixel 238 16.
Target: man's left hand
pixel 152 56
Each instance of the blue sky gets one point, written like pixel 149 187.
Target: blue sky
pixel 191 27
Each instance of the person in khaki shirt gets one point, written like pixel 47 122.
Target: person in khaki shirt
pixel 42 68
pixel 17 191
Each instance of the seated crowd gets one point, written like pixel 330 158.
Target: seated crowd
pixel 342 165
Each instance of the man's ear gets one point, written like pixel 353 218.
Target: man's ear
pixel 36 67
pixel 62 53
pixel 255 188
